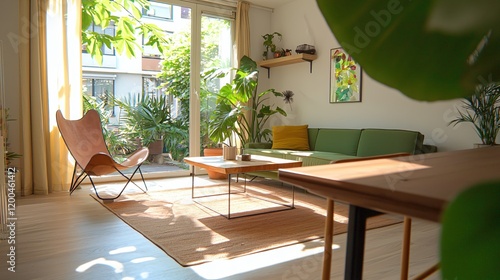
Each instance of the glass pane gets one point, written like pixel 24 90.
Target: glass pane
pixel 216 51
pixel 88 86
pixel 160 10
pixel 173 84
pixel 110 30
pixel 104 91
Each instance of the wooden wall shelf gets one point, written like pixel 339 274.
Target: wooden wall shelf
pixel 286 60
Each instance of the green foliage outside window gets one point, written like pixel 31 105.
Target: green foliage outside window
pixel 126 16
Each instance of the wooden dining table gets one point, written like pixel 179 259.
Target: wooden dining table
pixel 418 186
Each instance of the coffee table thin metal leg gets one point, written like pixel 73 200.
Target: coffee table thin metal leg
pixel 192 181
pixel 229 196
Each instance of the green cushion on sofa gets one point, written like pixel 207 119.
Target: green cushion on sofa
pixel 316 157
pixel 374 142
pixel 335 140
pixel 313 134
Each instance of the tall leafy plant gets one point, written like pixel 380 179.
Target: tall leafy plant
pixel 482 110
pixel 242 112
pixel 147 117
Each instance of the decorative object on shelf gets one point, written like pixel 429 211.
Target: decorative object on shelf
pixel 279 53
pixel 269 45
pixel 345 77
pixel 483 111
pixel 305 48
pixel 288 52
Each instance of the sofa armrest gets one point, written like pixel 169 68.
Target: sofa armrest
pixel 426 149
pixel 258 145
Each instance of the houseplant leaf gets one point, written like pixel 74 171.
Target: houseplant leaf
pixel 470 233
pixel 417 47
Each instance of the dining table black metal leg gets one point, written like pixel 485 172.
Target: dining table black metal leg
pixel 355 248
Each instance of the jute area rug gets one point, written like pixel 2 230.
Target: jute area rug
pixel 193 234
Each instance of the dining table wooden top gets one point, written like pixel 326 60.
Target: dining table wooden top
pixel 418 186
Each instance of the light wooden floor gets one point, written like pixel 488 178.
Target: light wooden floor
pixel 73 237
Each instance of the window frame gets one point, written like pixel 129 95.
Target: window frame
pixel 146 13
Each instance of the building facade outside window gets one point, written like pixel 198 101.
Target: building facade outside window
pixel 103 89
pixel 151 86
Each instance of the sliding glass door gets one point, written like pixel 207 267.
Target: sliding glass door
pixel 216 50
pixel 170 84
pixel 195 48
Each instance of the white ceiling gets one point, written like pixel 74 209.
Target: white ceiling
pixel 269 3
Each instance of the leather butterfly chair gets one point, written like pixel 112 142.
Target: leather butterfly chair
pixel 85 141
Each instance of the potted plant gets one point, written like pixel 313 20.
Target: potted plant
pixel 148 118
pixel 483 111
pixel 241 112
pixel 9 155
pixel 269 45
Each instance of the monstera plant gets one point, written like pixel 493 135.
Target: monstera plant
pixel 434 50
pixel 241 111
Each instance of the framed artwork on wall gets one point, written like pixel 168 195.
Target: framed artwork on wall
pixel 345 77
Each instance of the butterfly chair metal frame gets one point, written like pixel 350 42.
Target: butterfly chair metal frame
pixel 85 141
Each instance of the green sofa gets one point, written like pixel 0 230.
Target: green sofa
pixel 328 145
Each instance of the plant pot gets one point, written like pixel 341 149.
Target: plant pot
pixel 156 147
pixel 208 152
pixel 479 145
pixel 229 152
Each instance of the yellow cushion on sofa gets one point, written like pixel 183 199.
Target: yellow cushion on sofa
pixel 291 137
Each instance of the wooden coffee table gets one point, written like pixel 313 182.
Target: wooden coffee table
pixel 231 167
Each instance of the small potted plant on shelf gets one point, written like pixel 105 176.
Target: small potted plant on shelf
pixel 482 110
pixel 269 44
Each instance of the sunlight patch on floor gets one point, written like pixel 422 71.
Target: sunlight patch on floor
pixel 117 266
pixel 127 249
pixel 225 268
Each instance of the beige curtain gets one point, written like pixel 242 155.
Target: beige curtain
pixel 242 36
pixel 242 39
pixel 50 66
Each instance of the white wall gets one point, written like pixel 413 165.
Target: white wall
pixel 301 22
pixel 11 36
pixel 260 24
